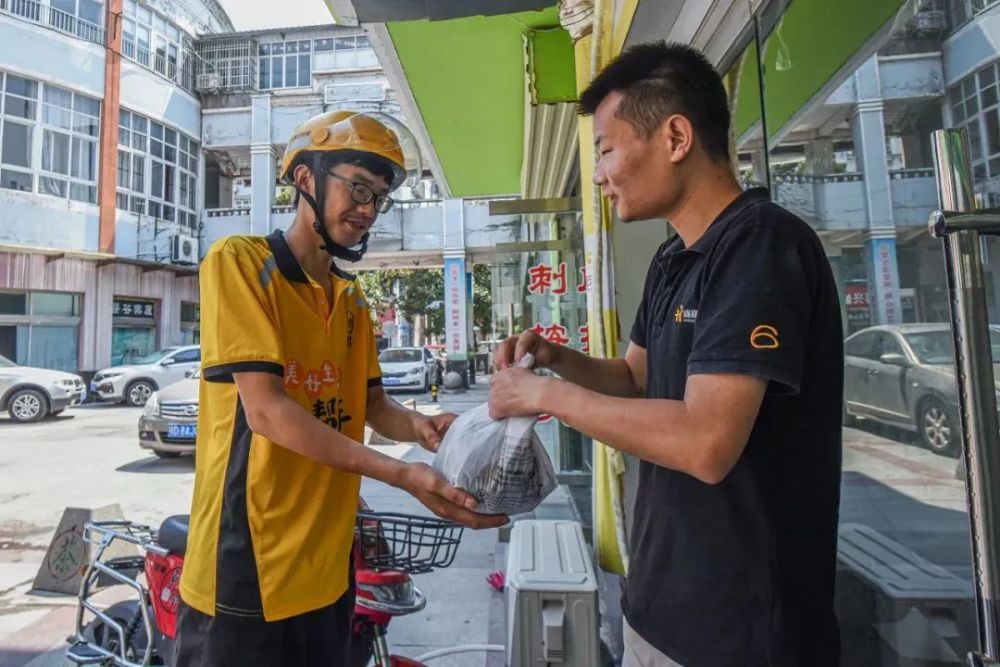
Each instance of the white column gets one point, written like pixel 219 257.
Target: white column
pixel 262 164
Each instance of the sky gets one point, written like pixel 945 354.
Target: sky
pixel 254 14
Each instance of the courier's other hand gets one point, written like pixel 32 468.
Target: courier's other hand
pixel 430 430
pixel 516 392
pixel 430 487
pixel 513 348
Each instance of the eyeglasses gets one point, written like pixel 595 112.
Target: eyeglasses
pixel 362 194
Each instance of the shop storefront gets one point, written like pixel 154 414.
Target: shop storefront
pixel 133 333
pixel 40 328
pixel 83 313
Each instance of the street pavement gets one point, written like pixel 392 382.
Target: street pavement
pixel 89 457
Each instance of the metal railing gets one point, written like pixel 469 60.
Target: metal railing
pixel 226 65
pixel 44 15
pixel 960 228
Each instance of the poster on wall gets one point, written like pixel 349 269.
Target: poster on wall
pixel 858 307
pixel 454 308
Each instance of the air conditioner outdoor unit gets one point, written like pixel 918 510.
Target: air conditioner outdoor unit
pixel 551 596
pixel 184 249
pixel 209 81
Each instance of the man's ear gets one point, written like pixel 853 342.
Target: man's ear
pixel 678 137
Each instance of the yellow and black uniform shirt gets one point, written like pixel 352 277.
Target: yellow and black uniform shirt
pixel 271 530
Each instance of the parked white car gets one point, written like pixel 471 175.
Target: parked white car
pixel 407 368
pixel 135 383
pixel 30 394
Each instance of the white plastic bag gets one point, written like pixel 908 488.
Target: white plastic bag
pixel 502 463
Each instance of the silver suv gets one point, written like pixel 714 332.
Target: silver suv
pixel 31 394
pixel 135 383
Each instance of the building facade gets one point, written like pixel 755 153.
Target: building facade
pixel 124 153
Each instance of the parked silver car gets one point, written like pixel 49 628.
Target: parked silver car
pixel 30 394
pixel 904 376
pixel 135 383
pixel 169 421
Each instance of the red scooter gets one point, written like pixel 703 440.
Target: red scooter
pixel 388 548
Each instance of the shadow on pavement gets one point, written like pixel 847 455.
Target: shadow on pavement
pixel 157 466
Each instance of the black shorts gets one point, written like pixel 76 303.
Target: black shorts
pixel 320 638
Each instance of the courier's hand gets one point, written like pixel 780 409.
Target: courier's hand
pixel 516 392
pixel 430 487
pixel 430 430
pixel 513 348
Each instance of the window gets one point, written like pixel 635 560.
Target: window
pixel 55 303
pixel 70 124
pixel 171 192
pixel 974 106
pixel 354 52
pixel 83 18
pixel 285 64
pixel 13 303
pixel 40 328
pixel 151 40
pixel 861 346
pixel 188 356
pixel 17 121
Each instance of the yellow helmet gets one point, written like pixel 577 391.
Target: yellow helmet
pixel 351 131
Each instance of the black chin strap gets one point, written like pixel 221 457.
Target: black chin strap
pixel 329 245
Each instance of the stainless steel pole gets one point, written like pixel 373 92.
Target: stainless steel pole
pixel 977 393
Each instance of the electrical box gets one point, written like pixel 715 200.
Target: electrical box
pixel 551 597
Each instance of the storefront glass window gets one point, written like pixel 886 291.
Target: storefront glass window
pixel 55 303
pixel 853 91
pixel 546 291
pixel 54 347
pixel 40 329
pixel 129 344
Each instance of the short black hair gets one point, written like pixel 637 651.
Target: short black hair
pixel 378 166
pixel 658 80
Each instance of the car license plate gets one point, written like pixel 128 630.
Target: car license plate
pixel 390 381
pixel 181 431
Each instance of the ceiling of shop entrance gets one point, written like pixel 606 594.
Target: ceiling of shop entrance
pixel 381 11
pixel 467 77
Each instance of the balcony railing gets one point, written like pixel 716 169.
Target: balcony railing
pixel 36 12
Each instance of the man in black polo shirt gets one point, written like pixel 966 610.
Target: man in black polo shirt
pixel 730 392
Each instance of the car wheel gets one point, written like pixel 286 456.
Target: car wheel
pixel 938 427
pixel 28 405
pixel 166 455
pixel 137 393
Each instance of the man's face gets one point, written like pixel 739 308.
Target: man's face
pixel 347 220
pixel 636 174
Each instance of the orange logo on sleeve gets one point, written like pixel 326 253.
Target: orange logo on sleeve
pixel 764 337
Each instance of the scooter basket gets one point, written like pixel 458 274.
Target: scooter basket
pixel 413 544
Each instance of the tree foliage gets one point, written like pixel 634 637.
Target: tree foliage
pixel 414 292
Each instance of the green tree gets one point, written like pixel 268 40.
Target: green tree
pixel 421 292
pixel 482 299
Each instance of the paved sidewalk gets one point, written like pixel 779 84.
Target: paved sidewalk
pixel 460 603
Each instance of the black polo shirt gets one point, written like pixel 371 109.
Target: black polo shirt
pixel 742 573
